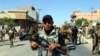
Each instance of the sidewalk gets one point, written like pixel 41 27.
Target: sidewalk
pixel 87 39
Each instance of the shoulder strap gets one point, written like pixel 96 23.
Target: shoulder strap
pixel 57 31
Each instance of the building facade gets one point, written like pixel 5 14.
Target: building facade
pixel 93 16
pixel 31 11
pixel 23 17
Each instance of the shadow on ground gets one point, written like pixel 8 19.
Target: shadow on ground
pixel 19 45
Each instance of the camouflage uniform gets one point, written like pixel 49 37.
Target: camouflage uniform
pixel 52 38
pixel 66 33
pixel 49 34
pixel 96 38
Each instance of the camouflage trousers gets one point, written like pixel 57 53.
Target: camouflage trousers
pixel 42 52
pixel 96 47
pixel 45 52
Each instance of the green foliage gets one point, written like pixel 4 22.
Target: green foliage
pixel 81 22
pixel 7 21
pixel 67 24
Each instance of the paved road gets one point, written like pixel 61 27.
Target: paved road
pixel 22 48
pixel 81 50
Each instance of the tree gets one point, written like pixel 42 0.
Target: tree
pixel 7 21
pixel 81 22
pixel 67 24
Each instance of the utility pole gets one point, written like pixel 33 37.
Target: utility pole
pixel 39 15
pixel 91 16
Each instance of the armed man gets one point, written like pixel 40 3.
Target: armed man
pixel 54 39
pixel 66 32
pixel 96 38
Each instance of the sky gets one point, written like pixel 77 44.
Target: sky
pixel 60 10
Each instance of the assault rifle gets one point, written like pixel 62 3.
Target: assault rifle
pixel 44 43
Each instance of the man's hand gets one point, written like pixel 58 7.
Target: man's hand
pixel 52 46
pixel 34 45
pixel 64 48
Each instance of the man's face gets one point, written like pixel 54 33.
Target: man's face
pixel 48 25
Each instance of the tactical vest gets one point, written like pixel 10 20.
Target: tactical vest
pixel 52 38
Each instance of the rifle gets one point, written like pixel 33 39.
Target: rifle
pixel 44 43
